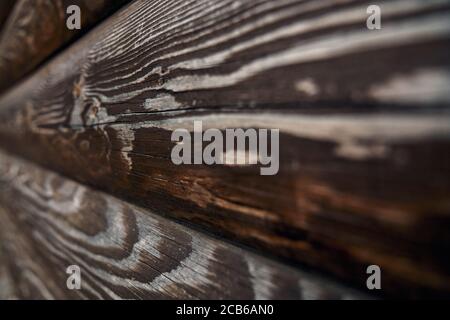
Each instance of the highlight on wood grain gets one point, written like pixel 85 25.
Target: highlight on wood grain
pixel 124 251
pixel 36 29
pixel 363 116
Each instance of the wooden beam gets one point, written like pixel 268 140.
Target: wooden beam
pixel 363 118
pixel 36 29
pixel 124 251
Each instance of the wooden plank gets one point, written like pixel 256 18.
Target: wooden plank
pixel 124 251
pixel 363 118
pixel 37 28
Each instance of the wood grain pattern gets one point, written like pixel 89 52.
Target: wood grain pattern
pixel 123 251
pixel 363 116
pixel 37 28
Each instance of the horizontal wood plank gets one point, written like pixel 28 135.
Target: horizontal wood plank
pixel 124 251
pixel 363 116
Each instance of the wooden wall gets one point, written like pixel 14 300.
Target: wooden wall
pixel 364 133
pixel 125 251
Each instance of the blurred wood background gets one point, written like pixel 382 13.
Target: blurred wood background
pixel 36 29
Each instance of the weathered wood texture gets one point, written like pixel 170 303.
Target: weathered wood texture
pixel 37 28
pixel 123 251
pixel 363 116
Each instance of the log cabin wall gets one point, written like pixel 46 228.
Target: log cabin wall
pixel 364 172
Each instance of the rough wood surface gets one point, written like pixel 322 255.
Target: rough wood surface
pixel 363 117
pixel 37 28
pixel 124 251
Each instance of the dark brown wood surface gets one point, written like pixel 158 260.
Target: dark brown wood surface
pixel 6 7
pixel 124 251
pixel 37 28
pixel 363 116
